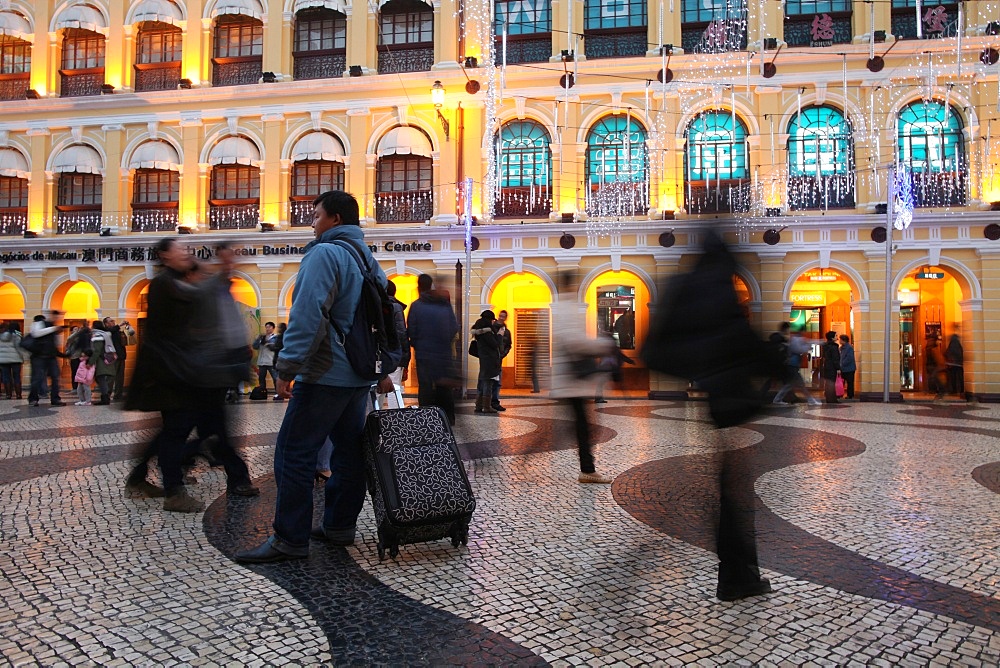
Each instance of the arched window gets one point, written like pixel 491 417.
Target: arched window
pixel 320 50
pixel 404 177
pixel 524 160
pixel 318 167
pixel 405 37
pixel 932 147
pixel 713 26
pixel 155 197
pixel 716 172
pixel 239 51
pixel 82 70
pixel 78 203
pixel 820 160
pixel 614 28
pixel 157 56
pixel 617 167
pixel 528 26
pixel 15 68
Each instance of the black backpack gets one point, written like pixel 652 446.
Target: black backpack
pixel 372 345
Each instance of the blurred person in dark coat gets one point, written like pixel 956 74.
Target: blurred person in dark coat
pixel 431 328
pixel 194 345
pixel 44 364
pixel 701 333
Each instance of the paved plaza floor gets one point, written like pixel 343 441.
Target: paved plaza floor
pixel 878 526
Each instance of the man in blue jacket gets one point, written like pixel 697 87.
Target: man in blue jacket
pixel 328 399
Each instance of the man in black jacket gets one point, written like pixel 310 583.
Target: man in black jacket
pixel 117 389
pixel 43 359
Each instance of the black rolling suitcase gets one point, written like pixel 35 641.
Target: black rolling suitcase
pixel 418 484
pixel 258 394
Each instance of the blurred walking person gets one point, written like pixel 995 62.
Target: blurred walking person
pixel 43 359
pixel 576 374
pixel 701 333
pixel 187 384
pixel 798 346
pixel 431 328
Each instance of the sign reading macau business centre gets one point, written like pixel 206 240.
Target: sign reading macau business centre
pixel 145 254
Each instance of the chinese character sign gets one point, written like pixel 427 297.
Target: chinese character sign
pixel 822 28
pixel 936 19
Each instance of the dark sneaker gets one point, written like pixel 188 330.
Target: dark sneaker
pixel 270 551
pixel 762 586
pixel 56 404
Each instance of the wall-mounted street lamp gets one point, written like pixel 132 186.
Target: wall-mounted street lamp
pixel 437 97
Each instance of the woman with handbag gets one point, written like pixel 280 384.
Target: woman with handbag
pixel 831 367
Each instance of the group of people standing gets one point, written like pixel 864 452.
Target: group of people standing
pixel 491 344
pixel 98 349
pixel 836 360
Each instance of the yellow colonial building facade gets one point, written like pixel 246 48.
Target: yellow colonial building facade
pixel 497 144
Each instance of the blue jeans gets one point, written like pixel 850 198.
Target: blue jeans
pixel 42 367
pixel 314 413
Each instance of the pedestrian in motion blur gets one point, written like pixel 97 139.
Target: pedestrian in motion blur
pixel 329 400
pixel 798 346
pixel 187 383
pixel 576 374
pixel 431 328
pixel 701 333
pixel 43 359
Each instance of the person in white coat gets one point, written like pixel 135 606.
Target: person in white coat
pixel 576 375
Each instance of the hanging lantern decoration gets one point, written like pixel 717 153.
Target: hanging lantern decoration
pixel 772 237
pixel 566 81
pixel 473 243
pixel 567 241
pixel 879 235
pixel 989 57
pixel 875 64
pixel 667 239
pixel 992 232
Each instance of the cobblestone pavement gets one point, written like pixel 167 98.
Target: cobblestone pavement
pixel 878 527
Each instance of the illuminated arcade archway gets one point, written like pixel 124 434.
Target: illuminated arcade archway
pixel 821 302
pixel 78 300
pixel 929 308
pixel 11 303
pixel 618 305
pixel 527 299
